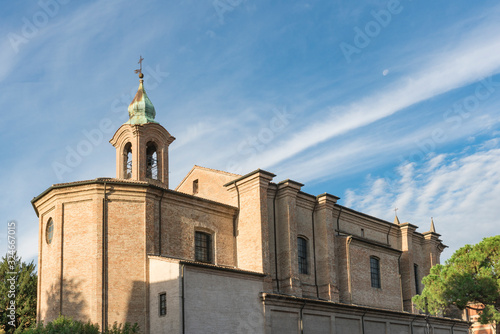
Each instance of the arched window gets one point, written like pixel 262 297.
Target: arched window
pixel 127 161
pixel 375 272
pixel 49 231
pixel 151 161
pixel 202 247
pixel 417 281
pixel 302 255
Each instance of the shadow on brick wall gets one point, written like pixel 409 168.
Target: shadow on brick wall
pixel 140 305
pixel 70 305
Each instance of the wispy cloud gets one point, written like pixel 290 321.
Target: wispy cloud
pixel 460 192
pixel 383 144
pixel 466 63
pixel 226 80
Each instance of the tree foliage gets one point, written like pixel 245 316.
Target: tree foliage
pixel 18 288
pixel 64 325
pixel 470 277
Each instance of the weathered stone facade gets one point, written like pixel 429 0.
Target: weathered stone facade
pixel 119 243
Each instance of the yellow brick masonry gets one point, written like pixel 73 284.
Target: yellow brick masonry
pixel 105 231
pixel 96 267
pixel 210 184
pixel 292 211
pixel 97 259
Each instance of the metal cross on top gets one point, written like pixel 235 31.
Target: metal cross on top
pixel 140 69
pixel 396 211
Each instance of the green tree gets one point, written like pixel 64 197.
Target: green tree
pixel 18 287
pixel 470 277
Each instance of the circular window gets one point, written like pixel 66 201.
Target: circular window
pixel 49 232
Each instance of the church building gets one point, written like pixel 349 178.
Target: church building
pixel 223 253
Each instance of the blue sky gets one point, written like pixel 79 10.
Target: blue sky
pixel 383 103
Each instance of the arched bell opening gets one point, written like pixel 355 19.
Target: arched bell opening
pixel 151 161
pixel 127 161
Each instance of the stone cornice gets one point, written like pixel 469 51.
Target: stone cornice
pixel 354 310
pixel 128 183
pixel 256 173
pixel 290 183
pixel 408 226
pixel 374 243
pixel 431 234
pixel 209 266
pixel 305 201
pixel 288 188
pixel 326 201
pixel 155 128
pixel 364 215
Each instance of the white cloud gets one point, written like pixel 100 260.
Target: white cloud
pixel 7 59
pixel 367 150
pixel 461 193
pixel 466 63
pixel 82 51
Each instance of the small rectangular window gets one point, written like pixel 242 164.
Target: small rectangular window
pixel 363 232
pixel 415 271
pixel 203 247
pixel 375 272
pixel 302 255
pixel 195 187
pixel 162 304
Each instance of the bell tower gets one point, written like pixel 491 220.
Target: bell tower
pixel 142 143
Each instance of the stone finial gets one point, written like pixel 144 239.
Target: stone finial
pixel 396 220
pixel 433 228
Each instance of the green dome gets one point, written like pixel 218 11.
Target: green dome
pixel 141 110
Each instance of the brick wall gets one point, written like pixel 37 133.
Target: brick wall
pixel 386 297
pixel 210 185
pixel 141 218
pixel 182 216
pixel 89 235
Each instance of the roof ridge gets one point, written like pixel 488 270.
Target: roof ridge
pixel 216 170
